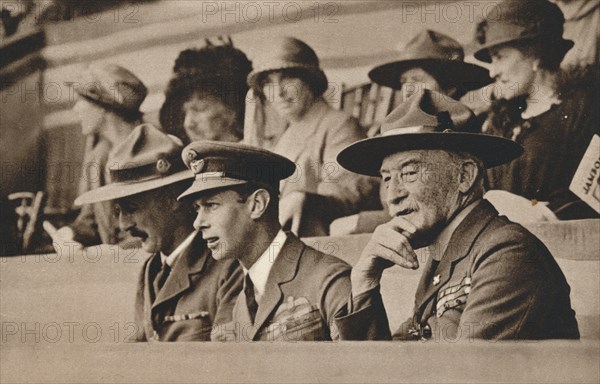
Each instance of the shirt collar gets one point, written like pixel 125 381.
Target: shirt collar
pixel 439 245
pixel 170 259
pixel 259 271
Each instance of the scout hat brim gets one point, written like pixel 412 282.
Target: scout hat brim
pixel 466 75
pixel 366 156
pixel 119 190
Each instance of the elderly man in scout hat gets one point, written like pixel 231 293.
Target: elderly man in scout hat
pixel 291 292
pixel 434 61
pixel 485 277
pixel 108 106
pixel 182 292
pixel 288 79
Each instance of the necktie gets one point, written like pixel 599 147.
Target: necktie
pixel 161 277
pixel 250 298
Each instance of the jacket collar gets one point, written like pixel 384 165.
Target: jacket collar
pixel 460 244
pixel 191 261
pixel 284 269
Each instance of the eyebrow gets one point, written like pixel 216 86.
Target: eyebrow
pixel 409 161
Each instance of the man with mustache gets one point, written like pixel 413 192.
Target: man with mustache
pixel 182 291
pixel 485 277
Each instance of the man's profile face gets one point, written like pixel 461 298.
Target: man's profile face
pixel 208 118
pixel 148 217
pixel 422 187
pixel 224 220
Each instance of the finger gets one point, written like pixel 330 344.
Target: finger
pixel 403 226
pixel 51 229
pixel 390 238
pixel 391 255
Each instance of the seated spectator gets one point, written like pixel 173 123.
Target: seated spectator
pixel 182 291
pixel 485 277
pixel 434 61
pixel 288 79
pixel 553 119
pixel 108 101
pixel 205 99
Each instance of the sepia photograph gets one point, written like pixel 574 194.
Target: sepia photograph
pixel 308 191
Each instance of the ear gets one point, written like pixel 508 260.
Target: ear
pixel 258 203
pixel 467 176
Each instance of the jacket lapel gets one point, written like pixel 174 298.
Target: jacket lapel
pixel 283 270
pixel 461 243
pixel 191 261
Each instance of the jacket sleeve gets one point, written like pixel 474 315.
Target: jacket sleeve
pixel 138 316
pixel 364 319
pixel 509 289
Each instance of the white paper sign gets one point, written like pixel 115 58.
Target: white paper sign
pixel 586 184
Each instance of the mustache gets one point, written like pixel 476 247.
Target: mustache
pixel 137 233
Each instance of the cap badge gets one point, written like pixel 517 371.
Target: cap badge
pixel 191 154
pixel 197 166
pixel 163 166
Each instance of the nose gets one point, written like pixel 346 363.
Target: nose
pixel 200 222
pixel 493 70
pixel 125 221
pixel 188 121
pixel 396 192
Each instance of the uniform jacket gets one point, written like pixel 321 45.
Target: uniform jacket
pixel 313 145
pixel 305 290
pixel 198 293
pixel 495 281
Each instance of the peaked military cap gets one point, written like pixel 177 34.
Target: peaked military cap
pixel 217 164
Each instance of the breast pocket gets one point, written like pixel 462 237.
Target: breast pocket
pixel 297 320
pixel 195 326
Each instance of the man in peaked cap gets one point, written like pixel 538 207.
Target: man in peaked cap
pixel 291 292
pixel 108 106
pixel 485 277
pixel 182 292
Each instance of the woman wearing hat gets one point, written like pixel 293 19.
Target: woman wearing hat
pixel 288 79
pixel 434 61
pixel 552 119
pixel 205 99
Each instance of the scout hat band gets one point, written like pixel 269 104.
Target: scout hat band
pixel 163 167
pixel 211 168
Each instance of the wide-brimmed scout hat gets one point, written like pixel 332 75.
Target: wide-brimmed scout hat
pixel 289 53
pixel 428 120
pixel 438 53
pixel 513 21
pixel 112 87
pixel 146 160
pixel 218 164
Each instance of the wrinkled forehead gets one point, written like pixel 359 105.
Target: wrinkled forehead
pixel 417 156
